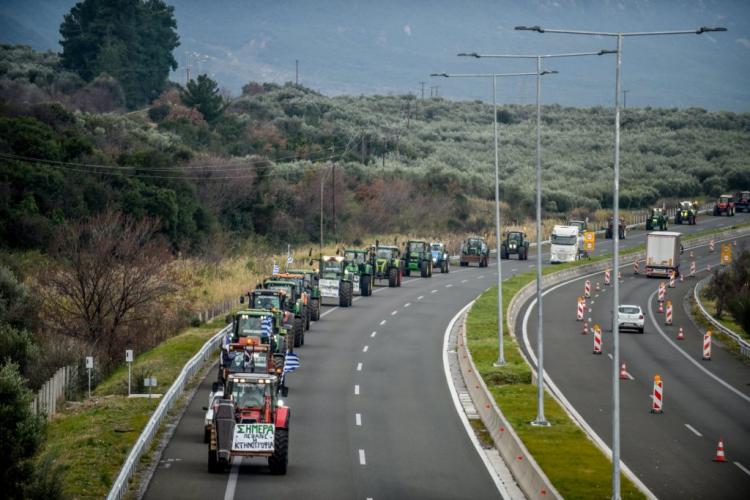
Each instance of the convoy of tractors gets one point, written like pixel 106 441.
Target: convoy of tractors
pixel 246 416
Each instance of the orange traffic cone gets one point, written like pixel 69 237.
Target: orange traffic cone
pixel 680 334
pixel 624 375
pixel 720 452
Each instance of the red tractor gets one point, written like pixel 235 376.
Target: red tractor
pixel 250 422
pixel 724 205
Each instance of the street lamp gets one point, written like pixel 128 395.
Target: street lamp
pixel 500 349
pixel 540 421
pixel 616 220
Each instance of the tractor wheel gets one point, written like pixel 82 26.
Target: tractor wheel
pixel 297 330
pixel 277 462
pixel 364 286
pixel 307 317
pixel 213 462
pixel 429 268
pixel 423 271
pixel 206 439
pixel 393 277
pixel 649 227
pixel 315 312
pixel 400 278
pixel 345 294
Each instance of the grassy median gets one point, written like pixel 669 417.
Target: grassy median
pixel 90 440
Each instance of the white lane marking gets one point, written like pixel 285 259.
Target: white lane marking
pixel 686 355
pixel 358 419
pixel 531 265
pixel 448 285
pixel 373 334
pixel 480 277
pixel 693 430
pixel 362 457
pixel 359 367
pixel 459 407
pixel 464 281
pixel 323 315
pixel 742 468
pixel 513 271
pixel 592 302
pixel 364 349
pixel 232 481
pixel 407 304
pixel 382 322
pixel 420 297
pixel 356 390
pixel 608 354
pixel 566 404
pixel 433 291
pixel 394 313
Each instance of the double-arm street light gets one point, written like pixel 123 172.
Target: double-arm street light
pixel 616 221
pixel 500 349
pixel 540 421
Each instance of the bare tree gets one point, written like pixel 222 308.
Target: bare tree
pixel 110 279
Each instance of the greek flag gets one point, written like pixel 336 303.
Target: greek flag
pixel 289 259
pixel 266 326
pixel 275 268
pixel 291 362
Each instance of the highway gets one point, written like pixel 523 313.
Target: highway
pixel 372 416
pixel 703 400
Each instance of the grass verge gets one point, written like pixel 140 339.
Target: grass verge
pixel 90 440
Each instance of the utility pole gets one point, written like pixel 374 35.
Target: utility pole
pixel 625 99
pixel 333 196
pixel 362 154
pixel 187 67
pixel 296 71
pixel 422 85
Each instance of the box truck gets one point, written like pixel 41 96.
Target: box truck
pixel 663 251
pixel 565 244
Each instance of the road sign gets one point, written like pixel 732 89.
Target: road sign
pixel 89 362
pixel 129 356
pixel 149 382
pixel 726 253
pixel 589 240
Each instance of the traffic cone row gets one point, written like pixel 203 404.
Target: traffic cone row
pixel 680 334
pixel 624 375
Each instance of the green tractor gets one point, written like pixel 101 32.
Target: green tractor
pixel 657 220
pixel 385 261
pixel 360 269
pixel 515 243
pixel 335 280
pixel 686 213
pixel 276 302
pixel 250 327
pixel 417 257
pixel 293 304
pixel 475 249
pixel 313 290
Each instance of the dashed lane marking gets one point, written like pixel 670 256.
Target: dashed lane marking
pixel 362 457
pixel 420 297
pixel 480 277
pixel 394 313
pixel 694 430
pixel 449 285
pixel 407 304
pixel 359 367
pixel 742 468
pixel 383 322
pixel 358 419
pixel 373 334
pixel 356 390
pixel 364 349
pixel 464 281
pixel 433 291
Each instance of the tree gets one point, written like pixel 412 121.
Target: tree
pixel 21 433
pixel 203 94
pixel 110 278
pixel 731 289
pixel 131 40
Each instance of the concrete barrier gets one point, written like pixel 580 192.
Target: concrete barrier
pixel 528 475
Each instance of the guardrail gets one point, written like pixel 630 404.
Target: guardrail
pixel 744 345
pixel 120 486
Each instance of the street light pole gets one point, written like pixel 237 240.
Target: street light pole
pixel 616 224
pixel 500 347
pixel 540 420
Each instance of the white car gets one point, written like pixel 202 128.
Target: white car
pixel 213 397
pixel 630 317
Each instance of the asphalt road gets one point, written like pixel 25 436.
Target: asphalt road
pixel 703 400
pixel 384 429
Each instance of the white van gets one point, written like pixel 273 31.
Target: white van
pixel 564 244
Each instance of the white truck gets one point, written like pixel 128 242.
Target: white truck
pixel 663 251
pixel 565 244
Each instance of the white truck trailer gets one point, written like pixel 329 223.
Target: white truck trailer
pixel 663 251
